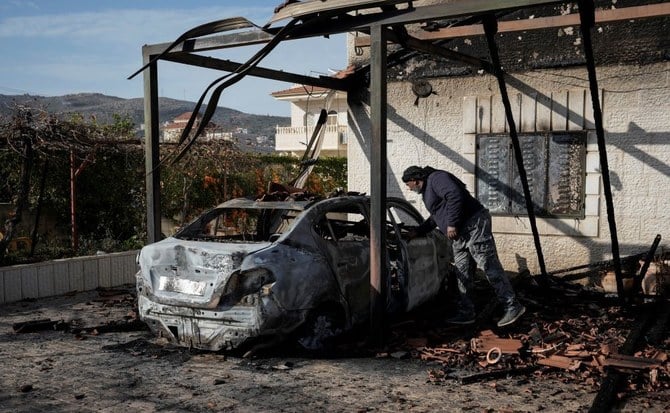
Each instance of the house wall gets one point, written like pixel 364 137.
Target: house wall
pixel 314 106
pixel 293 138
pixel 439 131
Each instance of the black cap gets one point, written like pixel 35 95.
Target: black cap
pixel 413 173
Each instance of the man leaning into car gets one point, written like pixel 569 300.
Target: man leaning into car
pixel 468 224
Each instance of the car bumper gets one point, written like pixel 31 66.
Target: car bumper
pixel 203 329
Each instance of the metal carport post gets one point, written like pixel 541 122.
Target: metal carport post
pixel 378 270
pixel 151 148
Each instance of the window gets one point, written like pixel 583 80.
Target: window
pixel 343 138
pixel 332 118
pixel 308 119
pixel 343 225
pixel 396 213
pixel 555 168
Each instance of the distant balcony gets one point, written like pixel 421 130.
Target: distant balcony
pixel 295 138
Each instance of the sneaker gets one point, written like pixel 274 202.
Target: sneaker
pixel 462 319
pixel 511 315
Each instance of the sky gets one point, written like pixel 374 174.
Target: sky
pixel 58 47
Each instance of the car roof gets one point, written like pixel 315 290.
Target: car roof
pixel 255 204
pixel 290 204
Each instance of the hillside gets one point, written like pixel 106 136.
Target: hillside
pixel 103 107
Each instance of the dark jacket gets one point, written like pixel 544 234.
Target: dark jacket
pixel 448 201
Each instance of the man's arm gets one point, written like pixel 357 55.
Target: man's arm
pixel 422 229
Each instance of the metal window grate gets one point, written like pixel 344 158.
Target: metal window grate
pixel 555 168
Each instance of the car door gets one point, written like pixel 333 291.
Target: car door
pixel 344 232
pixel 424 257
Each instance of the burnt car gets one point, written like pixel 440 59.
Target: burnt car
pixel 256 271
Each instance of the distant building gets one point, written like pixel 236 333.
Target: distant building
pixel 172 130
pixel 306 104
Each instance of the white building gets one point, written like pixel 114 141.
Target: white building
pixel 172 130
pixel 306 105
pixel 462 128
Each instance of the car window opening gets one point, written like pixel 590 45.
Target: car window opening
pixel 343 226
pixel 239 225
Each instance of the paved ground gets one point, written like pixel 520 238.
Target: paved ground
pixel 100 370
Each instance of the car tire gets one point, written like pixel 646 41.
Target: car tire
pixel 318 335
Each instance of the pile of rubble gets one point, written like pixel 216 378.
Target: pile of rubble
pixel 575 334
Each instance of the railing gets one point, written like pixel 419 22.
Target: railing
pixel 57 277
pixel 295 138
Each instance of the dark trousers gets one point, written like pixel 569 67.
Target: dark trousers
pixel 476 241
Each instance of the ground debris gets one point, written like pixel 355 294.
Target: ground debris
pixel 44 324
pixel 137 371
pixel 575 337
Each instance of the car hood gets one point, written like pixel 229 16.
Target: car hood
pixel 193 273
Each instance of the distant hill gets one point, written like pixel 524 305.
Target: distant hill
pixel 103 107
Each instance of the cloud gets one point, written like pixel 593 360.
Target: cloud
pixel 125 25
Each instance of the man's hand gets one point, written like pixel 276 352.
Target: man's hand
pixel 452 233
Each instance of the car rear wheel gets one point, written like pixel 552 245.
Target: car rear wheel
pixel 319 333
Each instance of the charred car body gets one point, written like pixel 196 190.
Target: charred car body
pixel 272 270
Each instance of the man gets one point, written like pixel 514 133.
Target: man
pixel 468 224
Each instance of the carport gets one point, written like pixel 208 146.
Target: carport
pixel 385 22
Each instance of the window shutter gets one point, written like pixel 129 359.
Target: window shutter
pixel 493 156
pixel 534 152
pixel 566 173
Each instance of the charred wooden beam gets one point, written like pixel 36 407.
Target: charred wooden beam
pixel 434 49
pixel 637 285
pixel 114 327
pixel 611 384
pixel 44 324
pixel 494 374
pixel 454 9
pixel 602 16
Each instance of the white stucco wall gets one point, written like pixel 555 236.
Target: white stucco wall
pixel 636 117
pixel 314 105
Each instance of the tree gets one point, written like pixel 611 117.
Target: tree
pixel 60 149
pixel 91 178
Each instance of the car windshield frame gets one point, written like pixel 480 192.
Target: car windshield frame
pixel 273 213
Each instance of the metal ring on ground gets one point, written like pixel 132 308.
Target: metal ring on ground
pixel 493 355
